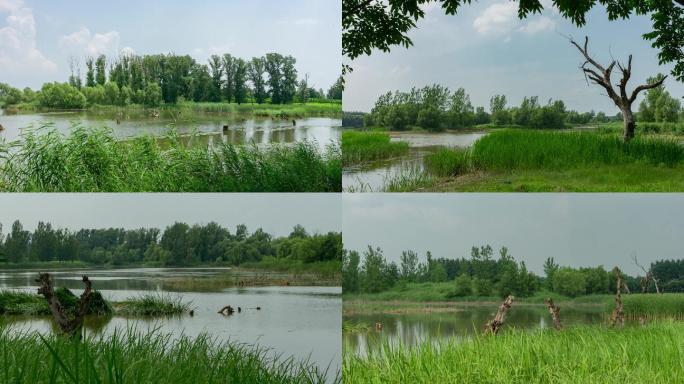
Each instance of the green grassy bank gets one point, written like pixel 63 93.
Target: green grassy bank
pixel 134 358
pixel 583 354
pixel 92 160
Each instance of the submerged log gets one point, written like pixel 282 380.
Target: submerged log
pixel 68 325
pixel 553 310
pixel 378 327
pixel 618 316
pixel 227 310
pixel 494 325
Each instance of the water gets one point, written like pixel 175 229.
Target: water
pixel 374 176
pixel 463 322
pixel 210 128
pixel 303 322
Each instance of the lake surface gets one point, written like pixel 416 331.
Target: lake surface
pixel 209 128
pixel 304 322
pixel 374 176
pixel 413 328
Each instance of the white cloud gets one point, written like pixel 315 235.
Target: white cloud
pixel 502 19
pixel 18 52
pixel 127 51
pixel 540 24
pixel 497 19
pixel 83 42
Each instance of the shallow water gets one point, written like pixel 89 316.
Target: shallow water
pixel 414 328
pixel 210 129
pixel 303 322
pixel 373 177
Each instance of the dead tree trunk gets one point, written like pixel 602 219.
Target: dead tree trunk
pixel 492 327
pixel 601 75
pixel 68 325
pixel 645 281
pixel 618 316
pixel 553 310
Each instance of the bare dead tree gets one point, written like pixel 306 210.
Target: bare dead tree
pixel 600 75
pixel 68 325
pixel 648 277
pixel 554 310
pixel 618 316
pixel 493 326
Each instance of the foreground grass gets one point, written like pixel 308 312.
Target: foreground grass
pixel 30 304
pixel 143 358
pixel 359 147
pixel 91 160
pixel 583 354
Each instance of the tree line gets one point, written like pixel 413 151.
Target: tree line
pixel 437 108
pixel 152 80
pixel 179 244
pixel 484 274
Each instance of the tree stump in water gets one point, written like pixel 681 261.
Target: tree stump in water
pixel 69 326
pixel 553 310
pixel 498 321
pixel 227 310
pixel 1 128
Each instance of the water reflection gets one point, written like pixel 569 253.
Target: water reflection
pixel 414 328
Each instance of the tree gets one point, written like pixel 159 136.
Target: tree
pixel 239 81
pixel 380 24
pixel 100 70
pixel 550 268
pixel 17 243
pixel 409 266
pixel 153 95
pixel 90 73
pixel 112 93
pixel 255 72
pixel 601 76
pixel 216 67
pixel 229 72
pixel 569 282
pixel 350 272
pixel 303 89
pixel 289 79
pixel 61 96
pixel 497 107
pixel 335 91
pixel 463 286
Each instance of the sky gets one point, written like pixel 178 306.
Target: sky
pixel 575 229
pixel 37 38
pixel 487 50
pixel 277 214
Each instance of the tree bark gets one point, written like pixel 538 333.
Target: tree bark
pixel 493 326
pixel 554 310
pixel 630 124
pixel 618 316
pixel 69 326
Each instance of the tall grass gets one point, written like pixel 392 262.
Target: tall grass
pixel 91 160
pixel 583 354
pixel 132 357
pixel 359 147
pixel 153 304
pixel 447 162
pixel 652 305
pixel 522 149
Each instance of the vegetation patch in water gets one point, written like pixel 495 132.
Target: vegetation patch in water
pixel 153 305
pixel 91 160
pixel 363 146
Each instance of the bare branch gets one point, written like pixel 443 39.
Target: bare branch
pixel 644 87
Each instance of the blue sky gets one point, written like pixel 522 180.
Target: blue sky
pixel 37 38
pixel 487 50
